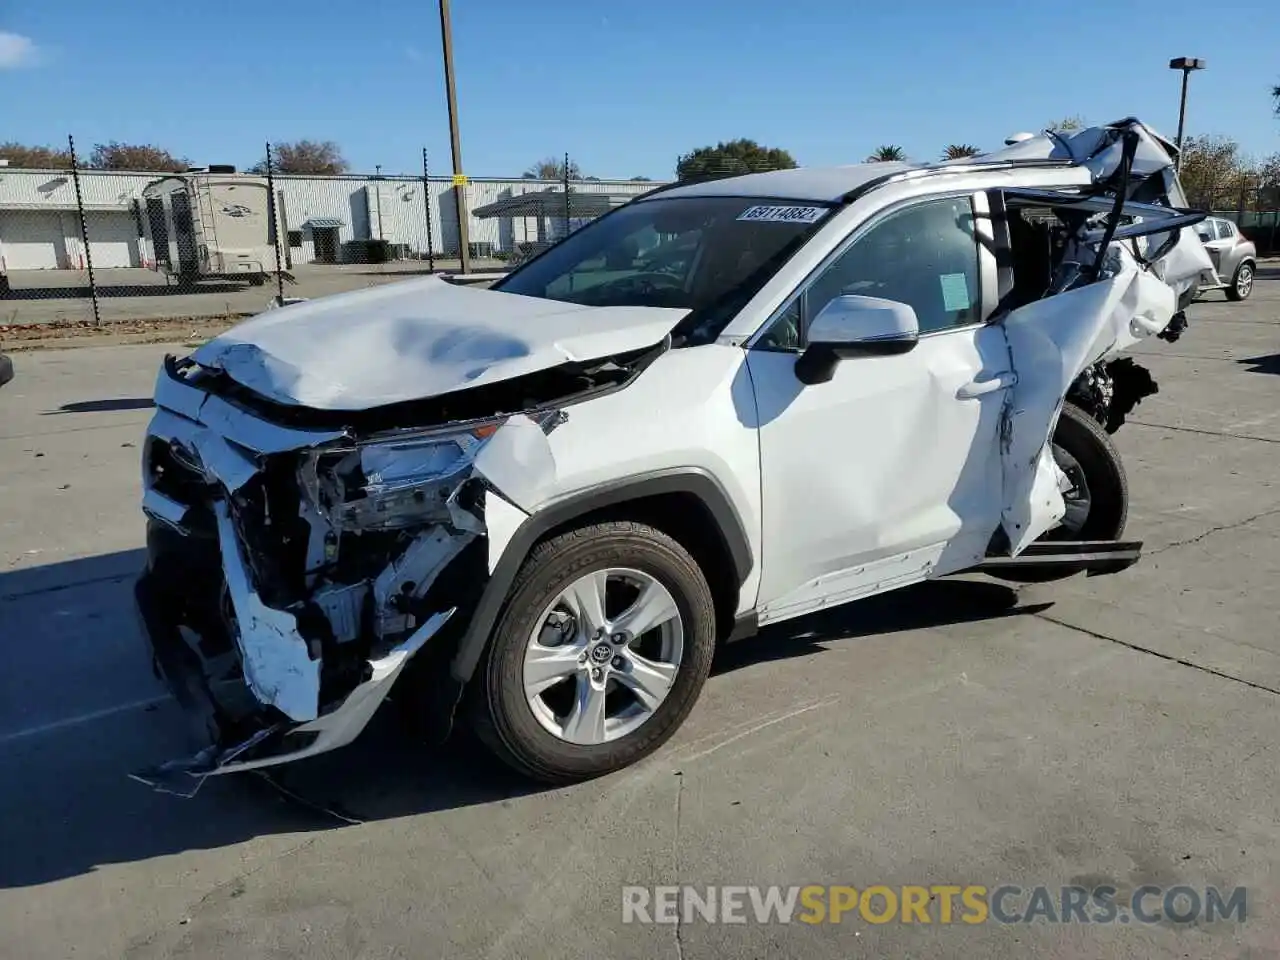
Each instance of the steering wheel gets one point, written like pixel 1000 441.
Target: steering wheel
pixel 651 281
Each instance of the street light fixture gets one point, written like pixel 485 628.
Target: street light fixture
pixel 1186 65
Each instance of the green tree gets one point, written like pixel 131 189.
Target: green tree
pixel 887 154
pixel 1275 96
pixel 143 157
pixel 552 169
pixel 1069 124
pixel 641 179
pixel 956 151
pixel 34 158
pixel 730 159
pixel 305 157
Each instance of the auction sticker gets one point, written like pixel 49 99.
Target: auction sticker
pixel 787 214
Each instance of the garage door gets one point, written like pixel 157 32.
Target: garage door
pixel 31 240
pixel 113 239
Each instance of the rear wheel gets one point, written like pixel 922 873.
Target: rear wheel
pixel 1097 503
pixel 1242 282
pixel 602 649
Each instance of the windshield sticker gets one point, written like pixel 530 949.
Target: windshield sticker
pixel 783 214
pixel 955 292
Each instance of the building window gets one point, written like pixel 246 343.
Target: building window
pixel 295 238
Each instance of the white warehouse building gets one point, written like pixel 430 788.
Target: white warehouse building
pixel 326 218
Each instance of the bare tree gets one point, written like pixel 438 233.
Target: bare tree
pixel 1212 171
pixel 34 158
pixel 552 169
pixel 144 157
pixel 956 151
pixel 886 154
pixel 305 156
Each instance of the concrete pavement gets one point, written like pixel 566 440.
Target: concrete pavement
pixel 1115 730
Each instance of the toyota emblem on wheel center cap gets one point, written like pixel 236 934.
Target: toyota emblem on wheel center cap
pixel 602 653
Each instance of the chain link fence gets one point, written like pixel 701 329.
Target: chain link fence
pixel 88 247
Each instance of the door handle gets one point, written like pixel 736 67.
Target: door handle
pixel 978 388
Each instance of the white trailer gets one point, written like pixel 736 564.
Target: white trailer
pixel 207 225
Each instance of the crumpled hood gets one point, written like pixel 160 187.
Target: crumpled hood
pixel 417 339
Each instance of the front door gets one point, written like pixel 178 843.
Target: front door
pixel 326 244
pixel 888 473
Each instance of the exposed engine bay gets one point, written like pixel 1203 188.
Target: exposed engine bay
pixel 303 562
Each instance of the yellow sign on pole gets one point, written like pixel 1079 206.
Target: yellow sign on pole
pixel 459 179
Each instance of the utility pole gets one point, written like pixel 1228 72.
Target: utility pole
pixel 455 143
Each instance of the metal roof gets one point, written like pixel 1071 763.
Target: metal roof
pixel 553 203
pixel 322 222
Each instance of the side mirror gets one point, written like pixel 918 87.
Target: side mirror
pixel 852 326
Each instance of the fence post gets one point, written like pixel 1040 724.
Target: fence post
pixel 84 230
pixel 565 172
pixel 426 204
pixel 275 224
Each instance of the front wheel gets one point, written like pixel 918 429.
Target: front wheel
pixel 599 655
pixel 1097 503
pixel 1242 282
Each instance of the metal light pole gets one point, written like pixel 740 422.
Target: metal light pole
pixel 1186 65
pixel 455 143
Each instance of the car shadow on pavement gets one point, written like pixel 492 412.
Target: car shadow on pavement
pixel 103 406
pixel 69 807
pixel 934 603
pixel 1269 363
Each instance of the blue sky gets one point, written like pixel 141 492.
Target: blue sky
pixel 623 87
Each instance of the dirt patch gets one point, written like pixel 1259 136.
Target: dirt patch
pixel 60 334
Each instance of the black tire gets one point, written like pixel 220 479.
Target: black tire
pixel 501 715
pixel 1085 442
pixel 1238 291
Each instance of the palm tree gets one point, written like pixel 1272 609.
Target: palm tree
pixel 887 153
pixel 955 151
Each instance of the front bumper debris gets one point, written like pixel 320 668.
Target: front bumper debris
pixel 234 745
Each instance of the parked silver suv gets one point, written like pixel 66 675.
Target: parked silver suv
pixel 1233 254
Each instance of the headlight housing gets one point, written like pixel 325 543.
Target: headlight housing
pixel 390 484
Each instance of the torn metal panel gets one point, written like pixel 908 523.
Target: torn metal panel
pixel 419 338
pixel 518 461
pixel 164 508
pixel 1051 342
pixel 277 663
pixel 409 576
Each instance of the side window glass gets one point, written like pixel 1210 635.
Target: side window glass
pixel 925 256
pixel 1225 231
pixel 784 334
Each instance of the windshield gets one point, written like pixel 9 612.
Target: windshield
pixel 708 255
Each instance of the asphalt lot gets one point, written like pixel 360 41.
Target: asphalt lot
pixel 1116 730
pixel 41 296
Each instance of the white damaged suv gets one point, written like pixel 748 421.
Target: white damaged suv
pixel 541 506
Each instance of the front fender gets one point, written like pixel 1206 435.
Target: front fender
pixel 512 539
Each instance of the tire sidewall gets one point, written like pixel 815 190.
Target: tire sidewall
pixel 512 717
pixel 1235 281
pixel 1084 439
